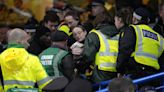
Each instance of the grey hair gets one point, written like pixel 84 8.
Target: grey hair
pixel 16 35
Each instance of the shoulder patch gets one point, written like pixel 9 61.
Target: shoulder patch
pixel 149 34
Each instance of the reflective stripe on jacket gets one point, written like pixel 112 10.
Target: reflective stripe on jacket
pixel 149 46
pixel 22 70
pixel 51 59
pixel 108 51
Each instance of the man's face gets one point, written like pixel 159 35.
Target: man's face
pixel 60 15
pixel 51 25
pixel 97 9
pixel 71 21
pixel 135 20
pixel 117 22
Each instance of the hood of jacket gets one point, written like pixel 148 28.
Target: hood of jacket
pixel 14 58
pixel 108 29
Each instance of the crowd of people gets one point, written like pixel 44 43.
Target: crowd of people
pixel 66 54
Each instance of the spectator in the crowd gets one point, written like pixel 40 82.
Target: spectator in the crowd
pixel 41 40
pixel 97 44
pixel 79 34
pixel 98 7
pixel 50 21
pixel 159 26
pixel 20 69
pixel 56 59
pixel 61 8
pixel 121 85
pixel 140 47
pixel 71 19
pixel 86 18
pixel 99 13
pixel 58 7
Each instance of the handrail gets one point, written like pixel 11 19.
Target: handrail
pixel 136 81
pixel 101 83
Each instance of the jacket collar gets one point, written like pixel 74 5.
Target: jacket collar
pixel 15 45
pixel 58 46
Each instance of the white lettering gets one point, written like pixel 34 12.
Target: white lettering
pixel 46 57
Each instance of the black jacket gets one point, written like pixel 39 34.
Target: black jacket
pixel 39 41
pixel 67 64
pixel 91 47
pixel 127 64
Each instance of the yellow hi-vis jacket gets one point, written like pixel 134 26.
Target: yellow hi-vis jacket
pixel 106 57
pixel 149 46
pixel 1 87
pixel 22 70
pixel 65 29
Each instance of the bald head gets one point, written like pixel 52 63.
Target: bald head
pixel 18 36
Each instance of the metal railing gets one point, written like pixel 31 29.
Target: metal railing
pixel 136 81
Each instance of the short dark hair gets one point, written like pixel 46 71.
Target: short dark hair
pixel 86 27
pixel 51 16
pixel 74 14
pixel 58 36
pixel 121 85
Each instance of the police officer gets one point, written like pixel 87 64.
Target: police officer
pixel 19 68
pixel 101 46
pixel 140 47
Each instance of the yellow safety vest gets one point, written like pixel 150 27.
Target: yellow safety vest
pixel 65 29
pixel 149 46
pixel 22 70
pixel 1 87
pixel 108 51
